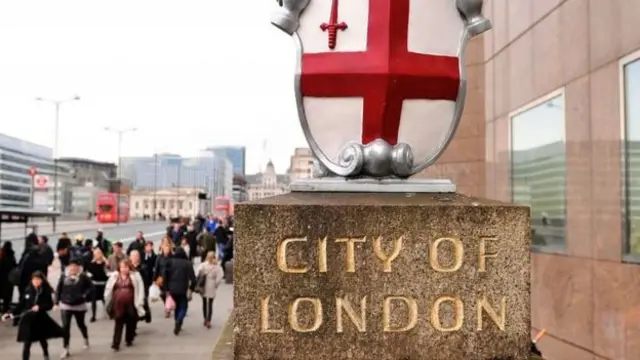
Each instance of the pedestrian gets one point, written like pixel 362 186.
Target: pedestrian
pixel 180 283
pixel 145 281
pixel 35 324
pixel 7 264
pixel 73 292
pixel 149 256
pixel 46 252
pixel 125 302
pixel 118 255
pixel 30 262
pixel 137 244
pixel 103 244
pixel 192 240
pixel 63 249
pixel 209 277
pixel 206 243
pixel 161 269
pixel 97 270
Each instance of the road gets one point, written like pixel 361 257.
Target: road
pixel 125 233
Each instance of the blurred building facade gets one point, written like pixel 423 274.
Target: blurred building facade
pixel 171 202
pixel 301 164
pixel 267 183
pixel 236 154
pixel 17 156
pixel 552 121
pixel 207 171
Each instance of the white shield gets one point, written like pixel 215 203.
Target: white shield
pixel 372 70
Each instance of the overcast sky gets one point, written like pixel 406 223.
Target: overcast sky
pixel 187 73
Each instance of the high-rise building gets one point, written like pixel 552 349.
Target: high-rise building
pixel 17 156
pixel 236 154
pixel 206 171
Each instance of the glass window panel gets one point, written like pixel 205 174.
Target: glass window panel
pixel 538 171
pixel 631 168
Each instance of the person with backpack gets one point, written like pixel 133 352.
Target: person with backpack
pixel 73 292
pixel 103 244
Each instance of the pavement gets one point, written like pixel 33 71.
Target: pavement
pixel 154 341
pixel 123 232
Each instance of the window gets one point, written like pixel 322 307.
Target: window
pixel 630 97
pixel 538 169
pixel 137 204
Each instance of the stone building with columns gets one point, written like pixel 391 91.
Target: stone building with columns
pixel 171 202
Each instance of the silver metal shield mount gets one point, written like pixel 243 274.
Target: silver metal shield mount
pixel 339 184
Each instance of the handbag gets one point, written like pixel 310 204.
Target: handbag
pixel 109 309
pixel 169 303
pixel 201 281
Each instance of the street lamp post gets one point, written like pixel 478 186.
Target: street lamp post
pixel 120 133
pixel 56 133
pixel 155 184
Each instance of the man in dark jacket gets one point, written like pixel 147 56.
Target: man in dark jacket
pixel 103 244
pixel 149 256
pixel 63 248
pixel 222 238
pixel 46 252
pixel 181 281
pixel 137 244
pixel 192 237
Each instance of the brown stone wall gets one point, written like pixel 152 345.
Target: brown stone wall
pixel 588 298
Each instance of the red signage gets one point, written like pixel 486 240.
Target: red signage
pixel 41 181
pixel 33 171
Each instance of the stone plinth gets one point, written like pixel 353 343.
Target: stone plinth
pixel 322 276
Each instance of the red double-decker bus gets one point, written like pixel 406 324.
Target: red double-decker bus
pixel 222 206
pixel 107 209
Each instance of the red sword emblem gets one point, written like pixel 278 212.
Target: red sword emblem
pixel 333 26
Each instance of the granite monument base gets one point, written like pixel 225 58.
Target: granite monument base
pixel 322 276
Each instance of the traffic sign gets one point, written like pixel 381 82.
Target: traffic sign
pixel 33 171
pixel 41 182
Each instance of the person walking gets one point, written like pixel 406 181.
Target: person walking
pixel 209 277
pixel 7 264
pixel 35 324
pixel 180 282
pixel 125 303
pixel 149 257
pixel 73 292
pixel 46 252
pixel 97 271
pixel 118 255
pixel 206 243
pixel 63 248
pixel 161 269
pixel 137 244
pixel 145 281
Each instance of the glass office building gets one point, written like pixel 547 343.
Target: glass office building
pixel 236 154
pixel 16 158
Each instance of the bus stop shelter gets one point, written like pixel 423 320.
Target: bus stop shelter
pixel 15 215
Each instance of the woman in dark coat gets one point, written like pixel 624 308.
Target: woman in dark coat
pixel 8 262
pixel 35 324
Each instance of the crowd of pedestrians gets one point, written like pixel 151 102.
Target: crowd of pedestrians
pixel 126 282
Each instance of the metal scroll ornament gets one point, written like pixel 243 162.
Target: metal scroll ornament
pixel 329 37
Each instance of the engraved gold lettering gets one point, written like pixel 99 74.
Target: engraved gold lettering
pixel 317 315
pixel 351 254
pixel 360 321
pixel 458 309
pixel 458 252
pixel 386 260
pixel 281 257
pixel 499 320
pixel 264 317
pixel 322 255
pixel 386 314
pixel 482 253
